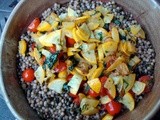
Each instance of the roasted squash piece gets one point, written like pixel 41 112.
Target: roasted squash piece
pixel 109 84
pixel 22 47
pixel 128 101
pixel 95 84
pixel 128 82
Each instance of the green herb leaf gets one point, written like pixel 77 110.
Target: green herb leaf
pixel 122 37
pixel 126 83
pixel 106 26
pixel 74 63
pixel 100 36
pixel 80 47
pixel 117 22
pixel 50 61
pixel 86 89
pixel 66 88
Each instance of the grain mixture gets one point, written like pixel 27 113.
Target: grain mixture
pixel 66 102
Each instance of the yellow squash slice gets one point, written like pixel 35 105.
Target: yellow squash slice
pixel 62 74
pixel 141 34
pixel 82 19
pixel 100 34
pixel 117 62
pixel 37 56
pixel 109 47
pixel 75 82
pixel 105 99
pixel 97 72
pixel 90 56
pixel 40 74
pixel 102 10
pixel 135 29
pixel 93 25
pixel 95 84
pixel 75 36
pixel 72 13
pixel 91 71
pixel 57 85
pixel 115 34
pixel 107 117
pixel 128 101
pixel 71 51
pixel 108 18
pixel 88 106
pixel 83 32
pixel 68 25
pixel 122 69
pixel 100 53
pixel 52 38
pixel 128 82
pixel 138 87
pixel 22 47
pixel 109 84
pixel 44 26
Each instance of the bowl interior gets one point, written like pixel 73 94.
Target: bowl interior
pixel 145 11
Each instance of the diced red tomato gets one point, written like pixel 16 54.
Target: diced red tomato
pixel 77 100
pixel 92 93
pixel 61 66
pixel 113 107
pixel 33 46
pixel 72 95
pixel 62 56
pixel 103 90
pixel 28 75
pixel 52 49
pixel 147 80
pixel 34 24
pixel 70 42
pixel 69 77
pixel 103 79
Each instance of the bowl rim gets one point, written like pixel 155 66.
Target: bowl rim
pixel 2 87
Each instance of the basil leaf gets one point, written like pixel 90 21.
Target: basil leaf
pixel 50 61
pixel 74 63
